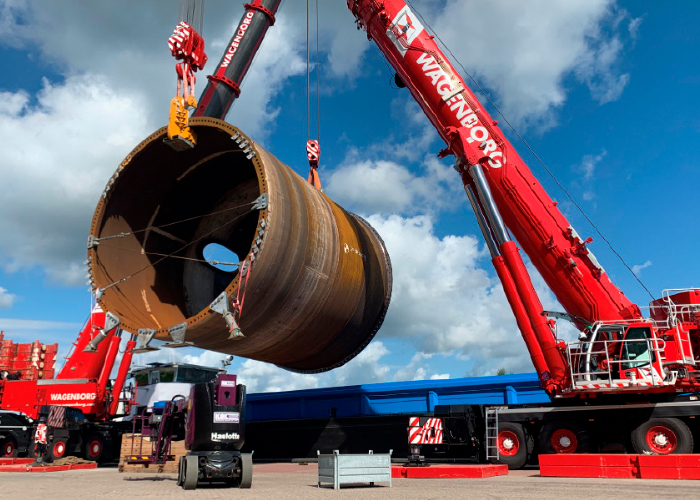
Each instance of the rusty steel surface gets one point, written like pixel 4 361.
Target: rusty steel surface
pixel 320 280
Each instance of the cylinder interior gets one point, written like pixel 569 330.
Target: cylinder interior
pixel 172 205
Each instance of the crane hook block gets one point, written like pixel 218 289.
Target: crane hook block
pixel 313 152
pixel 180 136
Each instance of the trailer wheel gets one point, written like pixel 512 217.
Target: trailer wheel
pixel 564 437
pixel 98 448
pixel 514 445
pixel 191 472
pixel 8 447
pixel 662 436
pixel 246 470
pixel 57 449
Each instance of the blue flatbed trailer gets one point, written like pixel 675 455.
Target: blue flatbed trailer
pixel 395 398
pixel 355 419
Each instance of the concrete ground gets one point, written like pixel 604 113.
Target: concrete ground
pixel 294 481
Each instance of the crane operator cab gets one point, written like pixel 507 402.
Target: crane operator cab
pixel 619 356
pixel 635 351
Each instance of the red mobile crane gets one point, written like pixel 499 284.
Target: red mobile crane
pixel 79 401
pixel 623 356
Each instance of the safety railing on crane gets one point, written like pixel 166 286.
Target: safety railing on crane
pixel 676 312
pixel 603 364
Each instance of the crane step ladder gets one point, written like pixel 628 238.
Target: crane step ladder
pixel 492 433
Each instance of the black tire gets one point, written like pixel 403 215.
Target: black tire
pixel 662 436
pixel 57 449
pixel 181 472
pixel 8 447
pixel 553 438
pixel 191 472
pixel 515 445
pixel 98 448
pixel 246 470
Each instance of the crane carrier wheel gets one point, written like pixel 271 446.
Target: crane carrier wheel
pixel 57 449
pixel 515 445
pixel 564 437
pixel 662 436
pixel 98 447
pixel 8 447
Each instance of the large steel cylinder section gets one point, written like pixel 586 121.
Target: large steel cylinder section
pixel 313 282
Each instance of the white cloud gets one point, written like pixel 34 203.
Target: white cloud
pixel 10 324
pixel 65 145
pixel 419 368
pixel 589 163
pixel 387 187
pixel 365 368
pixel 28 330
pixel 445 302
pixel 126 43
pixel 637 269
pixel 382 186
pixel 634 27
pixel 265 377
pixel 6 299
pixel 442 300
pixel 524 50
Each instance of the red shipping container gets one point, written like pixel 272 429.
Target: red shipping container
pixel 7 350
pixel 23 356
pixel 5 362
pixel 24 365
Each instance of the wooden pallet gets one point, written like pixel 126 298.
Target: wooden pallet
pixel 177 448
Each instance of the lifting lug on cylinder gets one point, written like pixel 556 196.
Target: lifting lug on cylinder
pixel 111 322
pixel 220 305
pixel 260 203
pixel 145 335
pixel 177 333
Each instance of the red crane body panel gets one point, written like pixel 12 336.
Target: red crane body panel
pixel 27 396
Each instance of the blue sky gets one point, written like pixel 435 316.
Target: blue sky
pixel 605 92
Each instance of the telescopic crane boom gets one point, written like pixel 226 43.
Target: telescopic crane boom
pixel 507 199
